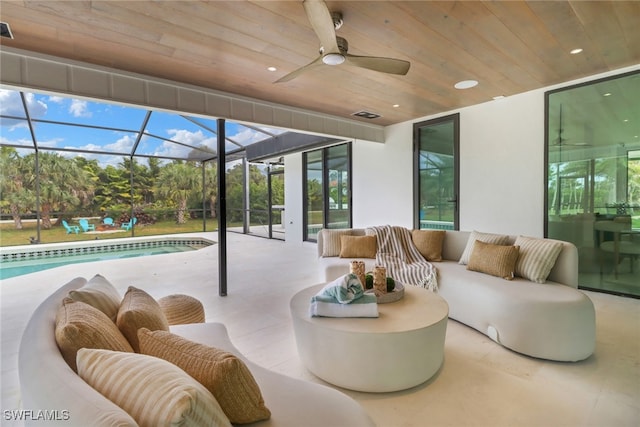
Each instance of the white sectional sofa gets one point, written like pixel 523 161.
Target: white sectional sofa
pixel 552 320
pixel 47 383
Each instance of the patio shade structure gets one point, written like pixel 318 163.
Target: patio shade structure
pixel 32 122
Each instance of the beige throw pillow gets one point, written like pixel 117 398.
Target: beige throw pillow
pixel 429 243
pixel 80 325
pixel 154 392
pixel 358 246
pixel 331 241
pixel 496 239
pixel 537 257
pixel 139 310
pixel 221 372
pixel 99 293
pixel 496 260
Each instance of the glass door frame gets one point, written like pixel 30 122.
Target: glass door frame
pixel 325 189
pixel 455 120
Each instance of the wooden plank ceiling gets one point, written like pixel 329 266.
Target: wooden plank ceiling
pixel 509 47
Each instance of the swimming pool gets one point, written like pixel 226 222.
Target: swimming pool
pixel 29 259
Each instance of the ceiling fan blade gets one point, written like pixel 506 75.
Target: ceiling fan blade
pixel 292 75
pixel 322 23
pixel 384 65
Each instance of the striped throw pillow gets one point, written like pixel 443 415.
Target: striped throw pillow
pixel 495 239
pixel 153 391
pixel 496 260
pixel 222 373
pixel 537 257
pixel 99 293
pixel 331 241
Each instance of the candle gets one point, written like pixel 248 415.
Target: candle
pixel 357 268
pixel 380 280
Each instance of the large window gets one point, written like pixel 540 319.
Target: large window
pixel 327 189
pixel 593 179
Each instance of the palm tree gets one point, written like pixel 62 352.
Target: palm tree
pixel 16 187
pixel 211 186
pixel 63 184
pixel 179 182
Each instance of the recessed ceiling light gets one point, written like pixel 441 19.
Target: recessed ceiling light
pixel 574 51
pixel 497 98
pixel 396 105
pixel 466 84
pixel 272 69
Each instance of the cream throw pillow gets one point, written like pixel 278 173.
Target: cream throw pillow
pixel 80 325
pixel 358 246
pixel 429 243
pixel 496 260
pixel 154 392
pixel 139 310
pixel 537 257
pixel 331 241
pixel 99 293
pixel 496 239
pixel 221 372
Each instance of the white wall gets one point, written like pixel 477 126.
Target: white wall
pixel 501 168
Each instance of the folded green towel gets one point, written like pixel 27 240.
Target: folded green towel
pixel 344 289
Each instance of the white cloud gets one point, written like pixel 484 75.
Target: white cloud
pixel 11 105
pixel 57 99
pixel 79 108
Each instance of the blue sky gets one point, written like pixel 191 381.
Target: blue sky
pixel 123 122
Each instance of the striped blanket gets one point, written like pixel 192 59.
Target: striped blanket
pixel 399 255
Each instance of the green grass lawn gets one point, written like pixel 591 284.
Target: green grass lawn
pixel 9 236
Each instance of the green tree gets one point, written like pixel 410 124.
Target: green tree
pixel 211 186
pixel 63 185
pixel 179 182
pixel 17 194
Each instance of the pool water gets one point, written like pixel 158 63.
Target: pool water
pixel 18 268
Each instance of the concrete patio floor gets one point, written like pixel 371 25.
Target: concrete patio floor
pixel 479 384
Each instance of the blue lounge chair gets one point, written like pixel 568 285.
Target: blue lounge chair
pixel 108 221
pixel 84 224
pixel 127 225
pixel 70 228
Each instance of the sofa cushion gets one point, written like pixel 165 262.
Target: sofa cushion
pixel 429 243
pixel 496 260
pixel 358 246
pixel 222 373
pixel 139 310
pixel 99 293
pixel 537 257
pixel 153 391
pixel 496 239
pixel 80 325
pixel 331 241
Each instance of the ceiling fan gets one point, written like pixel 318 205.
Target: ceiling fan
pixel 561 141
pixel 333 49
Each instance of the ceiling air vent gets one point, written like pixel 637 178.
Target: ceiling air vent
pixel 366 114
pixel 5 31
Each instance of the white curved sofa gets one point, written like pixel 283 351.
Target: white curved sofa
pixel 553 320
pixel 48 383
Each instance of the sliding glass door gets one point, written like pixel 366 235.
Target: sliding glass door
pixel 436 173
pixel 593 179
pixel 327 189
